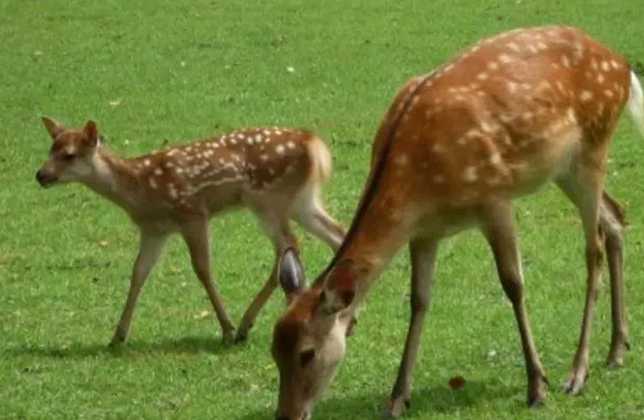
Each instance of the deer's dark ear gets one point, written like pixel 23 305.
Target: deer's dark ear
pixel 91 133
pixel 54 128
pixel 291 273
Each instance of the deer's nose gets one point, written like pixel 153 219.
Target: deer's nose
pixel 40 177
pixel 44 179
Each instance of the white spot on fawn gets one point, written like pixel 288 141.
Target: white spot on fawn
pixel 605 65
pixel 158 171
pixel 585 95
pixel 147 162
pixel 514 47
pixel 512 87
pixel 279 149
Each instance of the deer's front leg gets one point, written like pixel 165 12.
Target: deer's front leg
pixel 197 236
pixel 149 251
pixel 423 256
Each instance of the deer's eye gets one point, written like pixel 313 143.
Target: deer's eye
pixel 306 357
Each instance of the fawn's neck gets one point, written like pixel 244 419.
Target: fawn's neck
pixel 113 178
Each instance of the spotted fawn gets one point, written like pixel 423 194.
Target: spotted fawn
pixel 276 173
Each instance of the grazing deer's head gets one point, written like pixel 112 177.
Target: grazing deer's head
pixel 308 341
pixel 71 153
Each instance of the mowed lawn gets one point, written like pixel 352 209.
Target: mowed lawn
pixel 153 73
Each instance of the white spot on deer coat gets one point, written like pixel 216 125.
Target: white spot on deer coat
pixel 469 175
pixel 279 149
pixel 505 58
pixel 565 61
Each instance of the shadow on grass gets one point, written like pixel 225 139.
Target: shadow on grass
pixel 424 402
pixel 186 345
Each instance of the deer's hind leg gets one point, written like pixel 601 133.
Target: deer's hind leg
pixel 498 227
pixel 611 222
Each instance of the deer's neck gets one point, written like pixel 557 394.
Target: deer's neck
pixel 375 238
pixel 113 178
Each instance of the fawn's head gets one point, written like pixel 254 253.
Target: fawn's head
pixel 71 156
pixel 308 341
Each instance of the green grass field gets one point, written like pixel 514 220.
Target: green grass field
pixel 151 72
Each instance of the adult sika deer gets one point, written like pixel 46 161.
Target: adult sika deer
pixel 510 114
pixel 276 173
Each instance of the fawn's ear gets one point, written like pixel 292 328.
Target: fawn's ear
pixel 54 128
pixel 339 289
pixel 91 133
pixel 290 273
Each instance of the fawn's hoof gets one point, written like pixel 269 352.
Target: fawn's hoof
pixel 229 336
pixel 241 337
pixel 118 340
pixel 396 407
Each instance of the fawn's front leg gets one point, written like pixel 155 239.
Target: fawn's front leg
pixel 150 247
pixel 277 228
pixel 196 233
